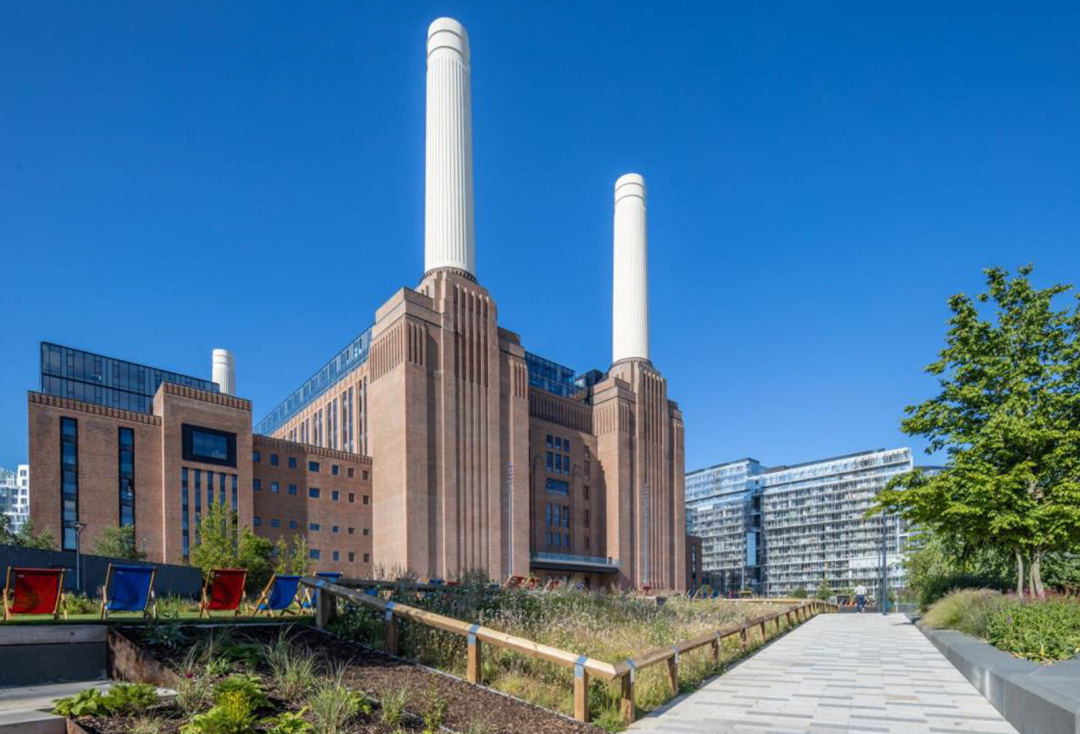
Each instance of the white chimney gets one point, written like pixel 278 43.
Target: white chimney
pixel 630 294
pixel 449 239
pixel 224 372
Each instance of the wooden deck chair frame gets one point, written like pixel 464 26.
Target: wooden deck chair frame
pixel 149 611
pixel 203 610
pixel 10 591
pixel 253 610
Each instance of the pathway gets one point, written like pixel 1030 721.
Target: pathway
pixel 837 673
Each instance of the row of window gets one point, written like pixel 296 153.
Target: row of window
pixel 69 479
pixel 315 554
pixel 191 485
pixel 313 466
pixel 323 423
pixel 313 492
pixel 313 527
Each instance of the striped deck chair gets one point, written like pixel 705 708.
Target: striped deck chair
pixel 34 591
pixel 128 589
pixel 278 596
pixel 223 591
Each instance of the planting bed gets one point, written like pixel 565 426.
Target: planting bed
pixel 466 708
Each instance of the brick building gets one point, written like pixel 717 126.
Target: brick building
pixel 473 452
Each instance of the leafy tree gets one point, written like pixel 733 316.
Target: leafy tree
pixel 118 542
pixel 293 559
pixel 221 544
pixel 1008 415
pixel 799 593
pixel 255 553
pixel 25 537
pixel 824 590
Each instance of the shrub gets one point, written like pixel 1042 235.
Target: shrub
pixel 194 694
pixel 146 725
pixel 799 593
pixel 393 706
pixel 167 635
pixel 964 610
pixel 288 723
pixel 84 703
pixel 81 604
pixel 130 698
pixel 434 712
pixel 293 670
pixel 1045 630
pixel 935 587
pixel 233 714
pixel 245 684
pixel 333 705
pixel 172 606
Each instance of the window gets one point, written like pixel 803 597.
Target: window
pixel 334 495
pixel 585 489
pixel 69 483
pixel 367 557
pixel 336 556
pixel 183 507
pixel 313 492
pixel 257 484
pixel 352 497
pixel 209 446
pixel 350 472
pixel 275 523
pixel 367 531
pixel 292 489
pixel 257 521
pixel 586 542
pixel 367 500
pixel 550 463
pixel 274 487
pixel 557 486
pixel 352 531
pixel 255 456
pixel 352 556
pixel 586 518
pixel 127 476
pixel 566 517
pixel 292 524
pixel 365 474
pixel 313 466
pixel 314 527
pixel 333 528
pixel 273 459
pixel 314 554
pixel 292 462
pixel 334 469
pixel 550 442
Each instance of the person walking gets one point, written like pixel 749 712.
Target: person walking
pixel 860 597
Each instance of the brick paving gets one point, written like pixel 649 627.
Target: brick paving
pixel 837 673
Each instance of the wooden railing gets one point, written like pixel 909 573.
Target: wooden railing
pixel 583 666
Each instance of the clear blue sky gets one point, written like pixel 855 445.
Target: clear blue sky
pixel 822 176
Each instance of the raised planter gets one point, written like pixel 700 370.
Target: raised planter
pixel 1034 698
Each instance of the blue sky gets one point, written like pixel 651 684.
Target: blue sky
pixel 176 177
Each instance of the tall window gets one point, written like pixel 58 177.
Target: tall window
pixel 69 473
pixel 184 507
pixel 127 477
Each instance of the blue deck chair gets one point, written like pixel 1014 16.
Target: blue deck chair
pixel 278 596
pixel 312 600
pixel 128 589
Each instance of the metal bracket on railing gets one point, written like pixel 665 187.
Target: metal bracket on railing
pixel 579 666
pixel 472 633
pixel 633 669
pixel 390 610
pixel 675 649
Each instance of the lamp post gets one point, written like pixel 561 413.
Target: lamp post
pixel 884 603
pixel 79 527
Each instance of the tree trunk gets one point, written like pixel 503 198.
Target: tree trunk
pixel 1036 574
pixel 1019 574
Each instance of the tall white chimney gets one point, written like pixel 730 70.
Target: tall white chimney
pixel 630 299
pixel 224 372
pixel 449 239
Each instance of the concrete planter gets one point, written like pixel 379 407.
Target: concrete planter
pixel 1034 698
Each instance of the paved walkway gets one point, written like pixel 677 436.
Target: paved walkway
pixel 837 673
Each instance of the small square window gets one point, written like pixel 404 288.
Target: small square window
pixel 334 495
pixel 334 469
pixel 273 459
pixel 334 529
pixel 366 474
pixel 257 521
pixel 352 497
pixel 313 527
pixel 275 523
pixel 314 554
pixel 367 557
pixel 336 555
pixel 292 462
pixel 292 524
pixel 313 492
pixel 257 483
pixel 313 466
pixel 352 557
pixel 274 487
pixel 292 489
pixel 367 499
pixel 367 531
pixel 350 472
pixel 351 531
pixel 255 456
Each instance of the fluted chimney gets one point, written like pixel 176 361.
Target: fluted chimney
pixel 449 239
pixel 224 371
pixel 630 294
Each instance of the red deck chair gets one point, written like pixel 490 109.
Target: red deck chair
pixel 223 591
pixel 34 591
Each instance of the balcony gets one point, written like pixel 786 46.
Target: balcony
pixel 570 563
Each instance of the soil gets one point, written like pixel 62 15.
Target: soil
pixel 468 707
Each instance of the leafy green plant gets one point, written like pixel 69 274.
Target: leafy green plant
pixel 936 587
pixel 130 698
pixel 293 670
pixel 333 705
pixel 248 685
pixel 393 705
pixel 147 725
pixel 233 714
pixel 81 604
pixel 799 593
pixel 194 694
pixel 89 702
pixel 218 667
pixel 1045 630
pixel 166 634
pixel 434 711
pixel 118 542
pixel 288 722
pixel 172 606
pixel 246 654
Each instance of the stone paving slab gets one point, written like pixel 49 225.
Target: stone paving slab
pixel 836 674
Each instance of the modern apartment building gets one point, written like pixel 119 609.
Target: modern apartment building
pixel 15 495
pixel 433 442
pixel 774 530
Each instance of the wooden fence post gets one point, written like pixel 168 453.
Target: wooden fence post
pixel 673 671
pixel 627 707
pixel 744 638
pixel 390 624
pixel 581 690
pixel 473 668
pixel 763 635
pixel 715 644
pixel 325 608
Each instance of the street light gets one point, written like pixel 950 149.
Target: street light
pixel 79 527
pixel 884 564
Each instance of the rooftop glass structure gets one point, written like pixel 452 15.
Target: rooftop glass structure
pixel 352 356
pixel 93 378
pixel 559 379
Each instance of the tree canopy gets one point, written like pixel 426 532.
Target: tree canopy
pixel 1008 416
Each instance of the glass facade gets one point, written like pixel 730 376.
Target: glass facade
pixel 93 378
pixel 352 356
pixel 69 481
pixel 127 476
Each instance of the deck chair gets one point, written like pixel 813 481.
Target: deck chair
pixel 34 591
pixel 312 600
pixel 223 591
pixel 278 596
pixel 128 589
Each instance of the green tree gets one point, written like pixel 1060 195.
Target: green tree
pixel 219 543
pixel 25 536
pixel 1008 415
pixel 294 558
pixel 824 590
pixel 118 542
pixel 799 593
